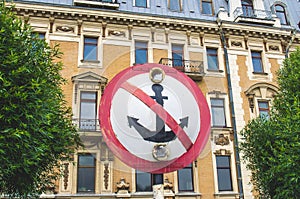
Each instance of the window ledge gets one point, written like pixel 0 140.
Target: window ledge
pixel 90 61
pixel 188 194
pixel 226 194
pixel 215 71
pixel 259 73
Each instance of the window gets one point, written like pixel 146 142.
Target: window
pixel 280 13
pixel 218 112
pixel 247 7
pixel 257 62
pixel 264 110
pixel 90 49
pixel 207 7
pixel 141 3
pixel 175 5
pixel 141 52
pixel 224 173
pixel 177 56
pixel 86 173
pixel 88 110
pixel 185 178
pixel 145 181
pixel 212 59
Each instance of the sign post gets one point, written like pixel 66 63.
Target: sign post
pixel 154 118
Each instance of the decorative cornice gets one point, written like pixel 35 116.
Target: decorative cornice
pixel 126 18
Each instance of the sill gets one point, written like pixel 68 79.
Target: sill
pixel 90 61
pixel 260 73
pixel 226 194
pixel 192 194
pixel 215 71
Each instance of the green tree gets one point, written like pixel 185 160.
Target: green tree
pixel 272 146
pixel 36 131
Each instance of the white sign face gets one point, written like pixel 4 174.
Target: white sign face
pixel 125 104
pixel 154 118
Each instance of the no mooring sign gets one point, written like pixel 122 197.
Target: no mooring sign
pixel 154 118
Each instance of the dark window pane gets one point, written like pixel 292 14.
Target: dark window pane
pixel 280 13
pixel 86 173
pixel 185 179
pixel 141 52
pixel 175 5
pixel 90 49
pixel 177 55
pixel 263 107
pixel 224 173
pixel 86 160
pixel 257 62
pixel 212 59
pixel 143 181
pixel 207 8
pixel 224 180
pixel 141 3
pixel 218 112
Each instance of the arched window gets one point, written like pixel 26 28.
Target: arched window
pixel 247 7
pixel 280 13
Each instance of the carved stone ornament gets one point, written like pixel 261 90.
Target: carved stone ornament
pixel 168 186
pixel 64 29
pixel 116 33
pixel 274 48
pixel 106 175
pixel 66 175
pixel 236 44
pixel 122 186
pixel 222 140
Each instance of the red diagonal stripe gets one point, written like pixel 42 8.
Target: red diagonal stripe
pixel 161 112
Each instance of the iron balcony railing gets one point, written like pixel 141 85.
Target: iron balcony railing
pixel 86 124
pixel 252 13
pixel 186 66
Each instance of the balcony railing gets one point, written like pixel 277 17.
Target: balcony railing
pixel 194 69
pixel 246 12
pixel 186 66
pixel 86 124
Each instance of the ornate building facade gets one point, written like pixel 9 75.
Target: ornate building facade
pixel 230 48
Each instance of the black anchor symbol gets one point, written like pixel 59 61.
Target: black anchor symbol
pixel 159 135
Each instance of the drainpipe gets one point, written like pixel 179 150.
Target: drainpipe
pixel 293 34
pixel 236 149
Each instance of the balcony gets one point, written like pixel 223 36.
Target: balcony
pixel 86 124
pixel 112 4
pixel 249 15
pixel 194 69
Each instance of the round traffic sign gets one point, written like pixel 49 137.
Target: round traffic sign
pixel 154 118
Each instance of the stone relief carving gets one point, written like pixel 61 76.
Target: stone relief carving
pixel 221 140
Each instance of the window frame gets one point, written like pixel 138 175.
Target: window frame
pixel 282 12
pixel 177 50
pixel 247 5
pixel 79 167
pixel 190 169
pixel 179 4
pixel 223 110
pixel 210 3
pixel 214 56
pixel 141 6
pixel 228 168
pixel 91 101
pixel 138 48
pixel 150 177
pixel 94 44
pixel 261 109
pixel 257 58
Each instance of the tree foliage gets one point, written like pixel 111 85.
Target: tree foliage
pixel 272 146
pixel 36 131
